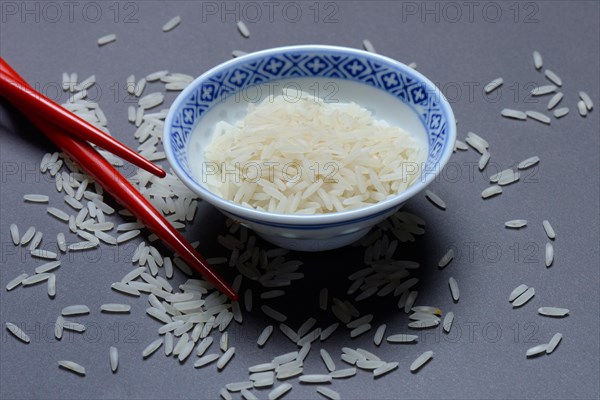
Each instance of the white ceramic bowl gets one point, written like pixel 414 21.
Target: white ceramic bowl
pixel 388 88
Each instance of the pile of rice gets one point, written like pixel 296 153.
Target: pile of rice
pixel 308 157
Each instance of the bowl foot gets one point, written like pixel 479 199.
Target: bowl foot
pixel 300 244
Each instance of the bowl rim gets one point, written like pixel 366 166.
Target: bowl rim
pixel 312 219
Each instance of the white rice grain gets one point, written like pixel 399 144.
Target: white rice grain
pixel 105 237
pixel 420 361
pixel 285 358
pixel 276 315
pixel 327 360
pixel 524 298
pixel 323 296
pixel 586 100
pixel 238 386
pixel 204 345
pixel 538 63
pixel 536 350
pixel 458 145
pixel 514 114
pixel 360 321
pixel 279 391
pixel 205 360
pixel 552 77
pixel 553 343
pixel 555 100
pixel 171 24
pixel 14 234
pixel 139 87
pixel 328 393
pixel 410 301
pixel 72 366
pixel 549 230
pixel 73 202
pixel 369 364
pixel 581 107
pixel 27 236
pixel 448 320
pixel 73 326
pixel 17 332
pixel 446 258
pixel 154 76
pixel 483 160
pixel 115 308
pixel 186 351
pixel 59 327
pixel 402 338
pixel 493 85
pixel 519 290
pixel 107 39
pixel 384 369
pixel 55 212
pixel 420 316
pixel 124 288
pixel 47 267
pixel 127 236
pixel 553 311
pixel 77 309
pixel 477 142
pixel 238 53
pixel 86 83
pixel 454 289
pixel 508 178
pixel 491 191
pixel 114 358
pixel 243 29
pixel 539 117
pixel 368 46
pixel 343 373
pixel 315 378
pixel 36 198
pixel 225 358
pixel 79 246
pixel 37 278
pixel 328 331
pixel 543 90
pixel 224 342
pixel 306 326
pixel 435 199
pixel 262 367
pixel 360 330
pixel 152 347
pixel 225 394
pixel 560 112
pixel 516 223
pixel 549 255
pixel 529 162
pixel 150 101
pixel 52 285
pixel 379 333
pixel 131 113
pixel 423 324
pixel 37 238
pixel 16 281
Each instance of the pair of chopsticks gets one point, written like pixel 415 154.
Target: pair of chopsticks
pixel 51 119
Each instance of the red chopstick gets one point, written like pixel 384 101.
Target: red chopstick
pixel 116 184
pixel 24 97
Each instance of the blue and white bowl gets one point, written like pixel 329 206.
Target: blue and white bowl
pixel 391 90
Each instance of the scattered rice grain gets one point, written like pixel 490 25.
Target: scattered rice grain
pixel 421 360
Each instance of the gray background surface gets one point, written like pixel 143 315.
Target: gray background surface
pixel 485 356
